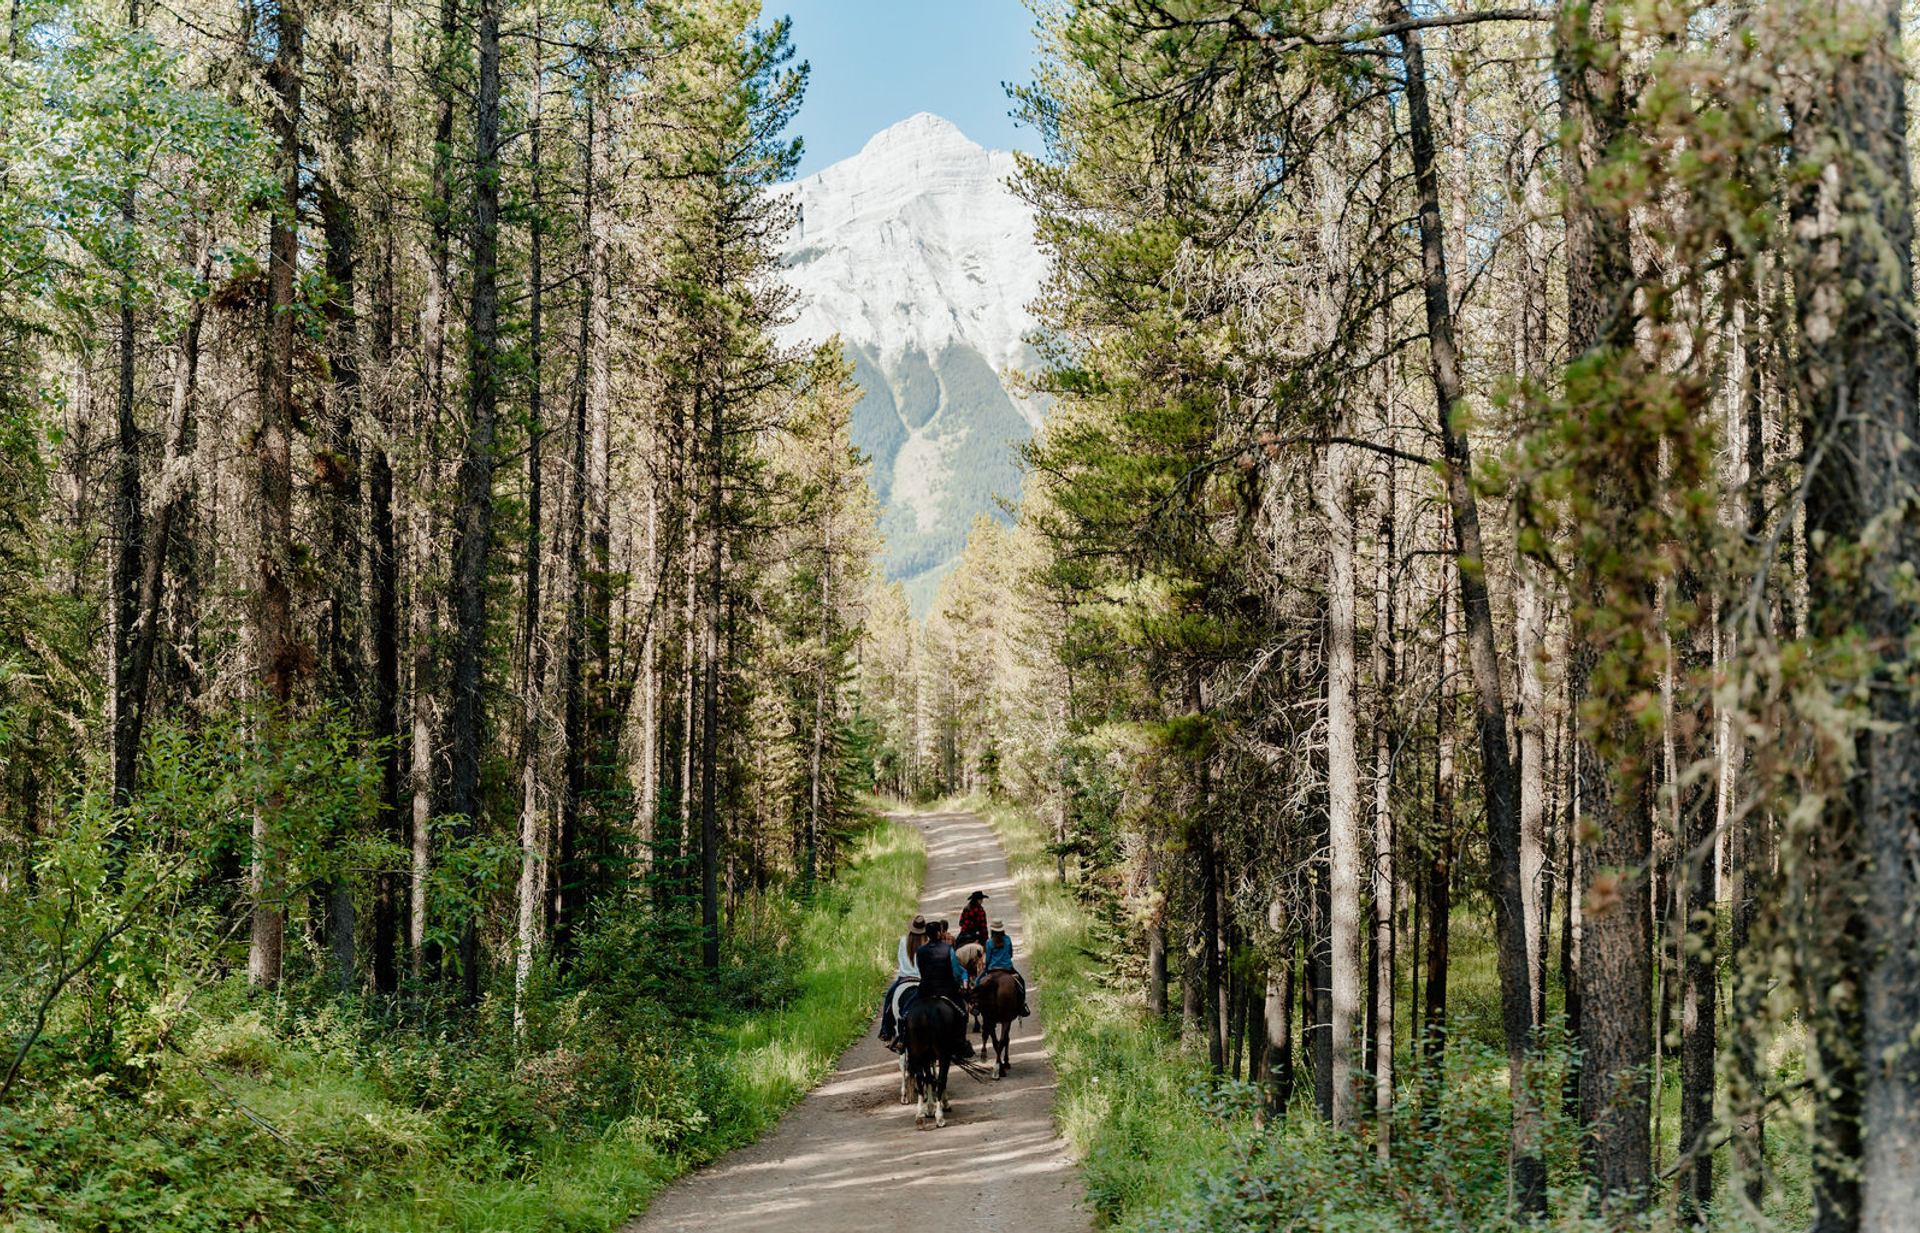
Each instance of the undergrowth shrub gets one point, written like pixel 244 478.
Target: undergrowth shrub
pixel 306 1110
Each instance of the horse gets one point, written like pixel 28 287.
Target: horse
pixel 930 1028
pixel 997 996
pixel 904 994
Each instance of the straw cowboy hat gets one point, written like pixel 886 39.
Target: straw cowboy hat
pixel 919 925
pixel 998 926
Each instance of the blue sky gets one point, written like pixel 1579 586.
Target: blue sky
pixel 879 61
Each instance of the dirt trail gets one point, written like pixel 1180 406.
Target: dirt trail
pixel 848 1157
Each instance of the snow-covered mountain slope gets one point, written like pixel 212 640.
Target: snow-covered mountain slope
pixel 917 254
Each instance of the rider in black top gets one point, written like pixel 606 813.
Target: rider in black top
pixel 940 976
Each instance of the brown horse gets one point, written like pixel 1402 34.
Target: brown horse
pixel 997 997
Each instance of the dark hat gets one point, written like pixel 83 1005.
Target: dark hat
pixel 976 895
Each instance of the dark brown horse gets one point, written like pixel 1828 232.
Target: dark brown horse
pixel 997 997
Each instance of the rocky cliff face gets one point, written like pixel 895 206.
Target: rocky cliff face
pixel 915 252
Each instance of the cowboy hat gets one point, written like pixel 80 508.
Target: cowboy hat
pixel 919 925
pixel 976 895
pixel 998 926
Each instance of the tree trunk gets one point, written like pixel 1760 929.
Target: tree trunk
pixel 340 471
pixel 384 562
pixel 1438 896
pixel 171 502
pixel 1385 886
pixel 280 657
pixel 1852 258
pixel 1157 966
pixel 570 882
pixel 532 882
pixel 128 695
pixel 1528 1173
pixel 1278 1066
pixel 1320 995
pixel 710 694
pixel 1615 966
pixel 1343 796
pixel 473 517
pixel 1699 808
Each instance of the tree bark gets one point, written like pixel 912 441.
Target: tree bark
pixel 1385 884
pixel 473 518
pixel 1852 254
pixel 1343 794
pixel 128 694
pixel 710 692
pixel 1615 958
pixel 383 556
pixel 1527 1171
pixel 1278 1065
pixel 532 882
pixel 277 650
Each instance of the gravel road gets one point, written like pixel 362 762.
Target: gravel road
pixel 848 1156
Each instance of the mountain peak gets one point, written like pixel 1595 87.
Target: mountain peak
pixel 918 254
pixel 919 131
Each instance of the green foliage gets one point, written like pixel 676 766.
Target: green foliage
pixel 1165 1148
pixel 333 1114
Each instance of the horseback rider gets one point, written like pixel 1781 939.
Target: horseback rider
pixel 904 970
pixel 942 976
pixel 973 919
pixel 1000 959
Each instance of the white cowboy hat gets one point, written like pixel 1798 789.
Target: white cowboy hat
pixel 998 926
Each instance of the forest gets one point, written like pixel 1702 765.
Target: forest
pixel 1458 636
pixel 1447 688
pixel 425 586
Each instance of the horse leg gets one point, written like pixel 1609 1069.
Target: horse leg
pixel 903 1079
pixel 1004 1035
pixel 940 1096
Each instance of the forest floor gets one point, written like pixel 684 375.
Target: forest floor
pixel 848 1157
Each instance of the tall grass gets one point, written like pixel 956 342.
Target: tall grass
pixel 324 1120
pixel 763 1061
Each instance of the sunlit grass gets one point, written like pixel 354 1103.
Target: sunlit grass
pixel 769 1058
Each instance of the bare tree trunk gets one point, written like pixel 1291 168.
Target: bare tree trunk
pixel 1438 898
pixel 1385 885
pixel 710 693
pixel 279 656
pixel 171 501
pixel 1343 792
pixel 1278 1065
pixel 473 517
pixel 128 696
pixel 384 562
pixel 1746 870
pixel 1528 1173
pixel 1615 968
pixel 1530 638
pixel 433 345
pixel 532 881
pixel 1852 258
pixel 1157 967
